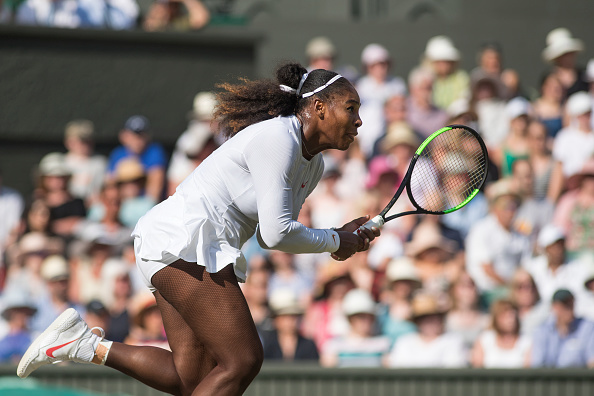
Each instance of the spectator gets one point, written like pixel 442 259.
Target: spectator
pixel 87 267
pixel 553 270
pixel 255 290
pixel 324 319
pixel 170 15
pixel 465 316
pixel 118 294
pixel 502 346
pixel 450 83
pixel 532 310
pixel 87 170
pixel 321 53
pixel 96 315
pixel 135 143
pixel 327 207
pixel 494 248
pixel 131 181
pixel 584 308
pixel 431 346
pixel 11 208
pixel 56 273
pixel 548 108
pixel 24 272
pixel 434 256
pixel 374 88
pixel 147 323
pixel 564 340
pixel 561 51
pixel 383 178
pixel 547 174
pixel 423 116
pixel 575 143
pixel 590 78
pixel 65 210
pixel 359 347
pixel 395 314
pixel 490 109
pixel 17 311
pixel 490 65
pixel 532 214
pixel 286 277
pixel 196 143
pixel 110 14
pixel 515 145
pixel 574 212
pixel 285 342
pixel 108 222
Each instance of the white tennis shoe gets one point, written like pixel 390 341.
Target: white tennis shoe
pixel 67 338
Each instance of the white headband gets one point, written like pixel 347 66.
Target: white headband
pixel 307 94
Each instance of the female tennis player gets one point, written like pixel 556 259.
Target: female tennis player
pixel 188 247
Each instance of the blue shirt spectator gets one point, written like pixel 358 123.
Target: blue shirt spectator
pixel 136 144
pixel 564 340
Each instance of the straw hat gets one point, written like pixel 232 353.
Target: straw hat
pixel 559 42
pixel 54 164
pixel 402 268
pixel 37 242
pixel 320 47
pixel 500 188
pixel 425 237
pixel 285 302
pixel 80 129
pixel 424 304
pixel 54 268
pixel 400 133
pixel 129 169
pixel 358 301
pixel 441 48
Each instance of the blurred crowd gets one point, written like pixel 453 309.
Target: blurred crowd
pixel 149 15
pixel 505 282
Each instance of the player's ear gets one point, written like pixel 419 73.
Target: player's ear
pixel 319 108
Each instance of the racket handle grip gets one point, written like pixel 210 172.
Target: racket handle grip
pixel 377 221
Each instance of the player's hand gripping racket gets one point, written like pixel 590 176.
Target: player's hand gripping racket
pixel 446 172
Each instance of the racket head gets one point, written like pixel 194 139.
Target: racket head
pixel 448 170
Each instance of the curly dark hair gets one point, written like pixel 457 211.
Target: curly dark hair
pixel 244 104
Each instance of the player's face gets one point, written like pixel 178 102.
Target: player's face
pixel 343 119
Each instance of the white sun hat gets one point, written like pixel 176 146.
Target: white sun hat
pixel 560 41
pixel 358 301
pixel 579 103
pixel 374 53
pixel 441 48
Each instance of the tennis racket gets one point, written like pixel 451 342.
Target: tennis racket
pixel 445 174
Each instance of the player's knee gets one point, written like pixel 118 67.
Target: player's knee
pixel 246 366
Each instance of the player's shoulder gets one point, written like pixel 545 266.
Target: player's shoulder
pixel 278 130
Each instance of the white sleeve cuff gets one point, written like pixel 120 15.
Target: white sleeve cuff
pixel 333 240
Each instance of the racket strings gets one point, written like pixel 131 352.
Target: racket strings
pixel 449 169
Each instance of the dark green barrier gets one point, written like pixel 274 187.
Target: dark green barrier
pixel 290 380
pixel 51 76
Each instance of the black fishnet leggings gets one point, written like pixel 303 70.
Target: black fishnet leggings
pixel 215 346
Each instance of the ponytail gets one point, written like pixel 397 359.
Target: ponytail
pixel 241 105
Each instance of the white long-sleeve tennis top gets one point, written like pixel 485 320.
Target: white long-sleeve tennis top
pixel 256 180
